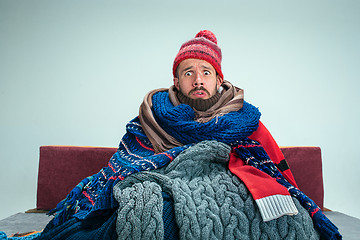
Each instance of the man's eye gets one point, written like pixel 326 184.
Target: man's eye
pixel 206 73
pixel 188 74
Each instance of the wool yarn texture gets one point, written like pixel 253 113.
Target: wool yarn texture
pixel 140 212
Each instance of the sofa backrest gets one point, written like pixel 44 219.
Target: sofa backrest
pixel 61 168
pixel 306 165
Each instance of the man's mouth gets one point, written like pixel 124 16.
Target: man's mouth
pixel 200 92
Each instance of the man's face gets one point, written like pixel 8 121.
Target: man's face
pixel 197 79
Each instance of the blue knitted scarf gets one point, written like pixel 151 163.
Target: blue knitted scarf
pixel 178 121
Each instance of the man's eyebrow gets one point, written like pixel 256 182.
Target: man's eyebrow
pixel 206 67
pixel 188 68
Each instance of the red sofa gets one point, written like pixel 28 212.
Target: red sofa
pixel 63 167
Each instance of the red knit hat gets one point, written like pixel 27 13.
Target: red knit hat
pixel 203 46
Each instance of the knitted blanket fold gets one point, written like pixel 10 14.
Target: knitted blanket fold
pixel 100 227
pixel 210 202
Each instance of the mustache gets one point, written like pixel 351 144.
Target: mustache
pixel 199 88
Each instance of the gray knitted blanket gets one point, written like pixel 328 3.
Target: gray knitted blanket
pixel 209 201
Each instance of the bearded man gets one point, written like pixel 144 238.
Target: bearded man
pixel 170 176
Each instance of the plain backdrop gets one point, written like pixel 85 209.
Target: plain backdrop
pixel 75 72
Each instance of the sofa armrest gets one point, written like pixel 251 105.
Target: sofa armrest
pixel 306 166
pixel 61 168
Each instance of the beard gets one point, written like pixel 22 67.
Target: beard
pixel 199 88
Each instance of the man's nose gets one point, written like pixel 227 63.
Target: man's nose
pixel 198 80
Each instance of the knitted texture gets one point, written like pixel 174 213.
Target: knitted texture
pixel 253 154
pixel 171 230
pixel 203 46
pixel 94 194
pixel 100 227
pixel 178 121
pixel 140 212
pixel 30 237
pixel 211 203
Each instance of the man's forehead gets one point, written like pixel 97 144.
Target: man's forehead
pixel 191 63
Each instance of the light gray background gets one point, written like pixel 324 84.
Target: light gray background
pixel 75 72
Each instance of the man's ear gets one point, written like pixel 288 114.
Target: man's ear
pixel 219 81
pixel 176 83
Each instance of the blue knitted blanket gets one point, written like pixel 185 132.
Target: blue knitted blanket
pixel 135 153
